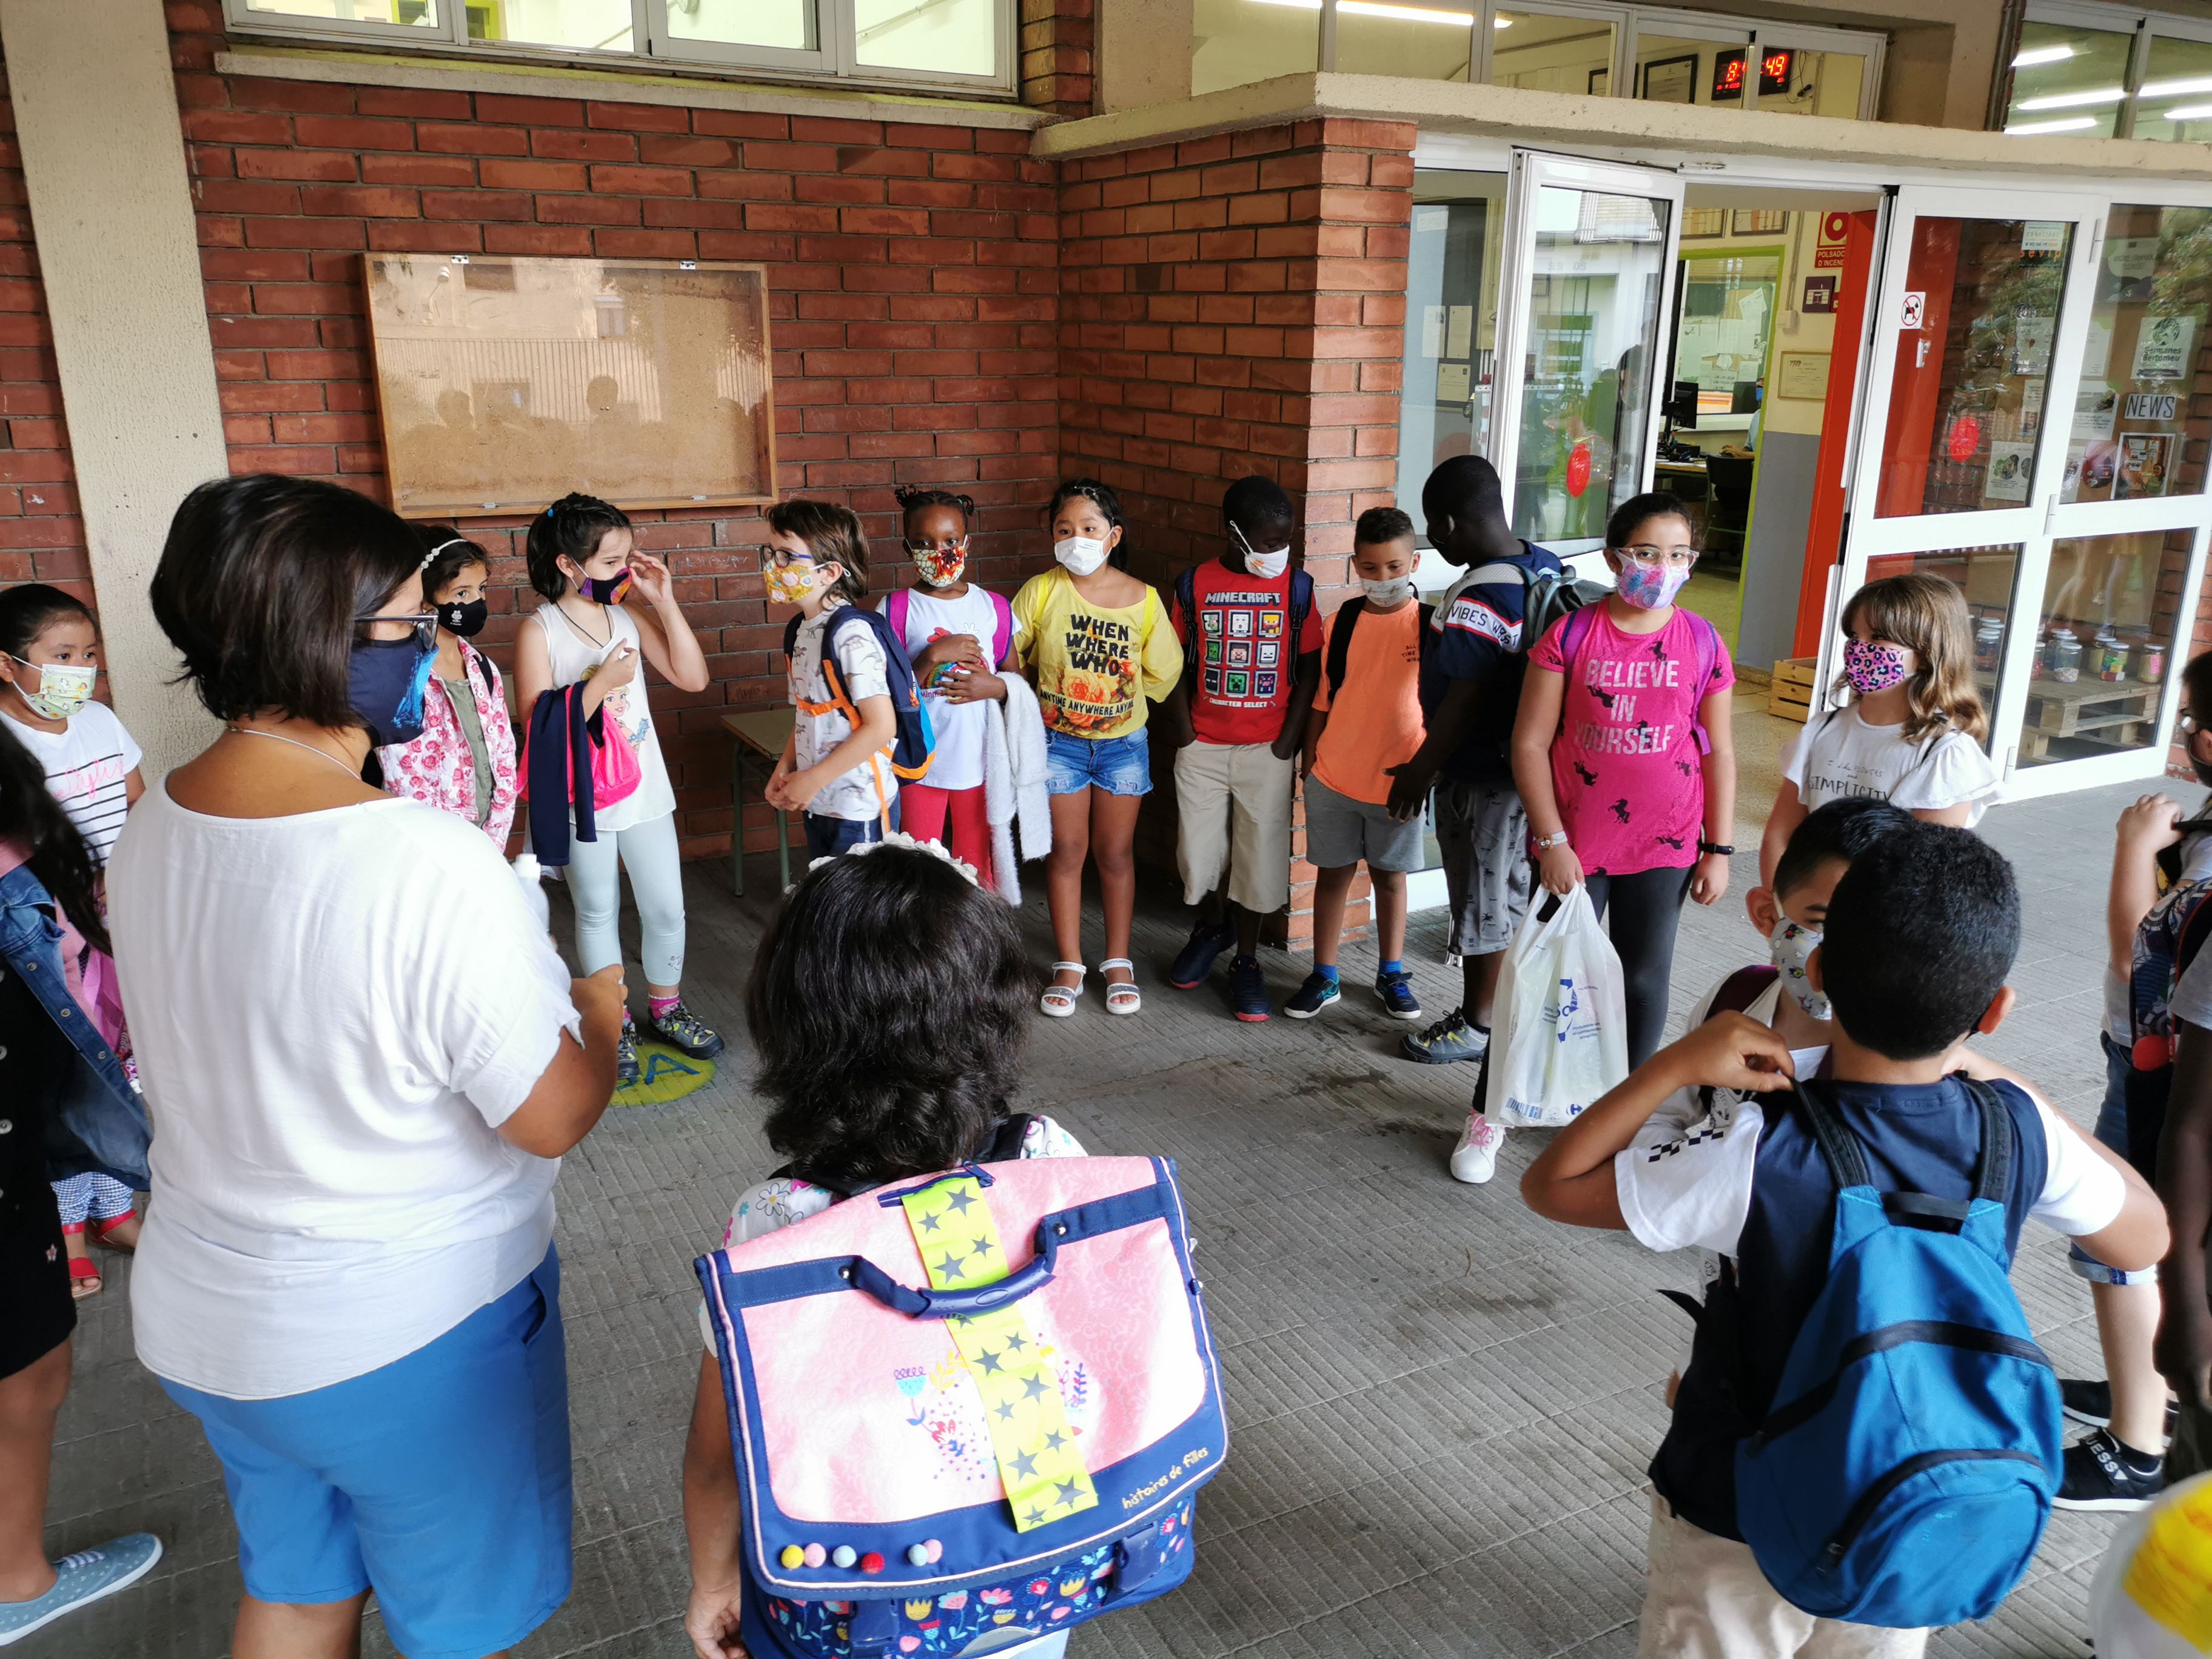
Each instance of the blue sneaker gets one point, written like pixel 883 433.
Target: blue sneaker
pixel 1310 998
pixel 1206 944
pixel 82 1579
pixel 1450 1039
pixel 1396 991
pixel 1247 989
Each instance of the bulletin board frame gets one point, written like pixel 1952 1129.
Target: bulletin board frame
pixel 611 376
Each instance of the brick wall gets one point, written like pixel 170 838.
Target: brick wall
pixel 1230 305
pixel 913 299
pixel 41 535
pixel 1058 40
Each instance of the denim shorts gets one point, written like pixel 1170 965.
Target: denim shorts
pixel 2111 1130
pixel 441 1480
pixel 1119 765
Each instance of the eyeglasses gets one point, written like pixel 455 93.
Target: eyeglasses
pixel 1675 558
pixel 946 545
pixel 425 624
pixel 2189 726
pixel 782 558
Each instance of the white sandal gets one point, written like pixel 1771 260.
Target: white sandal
pixel 1058 1000
pixel 1122 999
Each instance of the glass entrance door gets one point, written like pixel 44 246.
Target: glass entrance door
pixel 2027 437
pixel 1586 288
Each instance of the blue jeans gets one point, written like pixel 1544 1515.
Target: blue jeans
pixel 1119 765
pixel 2111 1130
pixel 829 838
pixel 441 1480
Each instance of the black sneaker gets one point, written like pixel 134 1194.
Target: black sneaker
pixel 1310 998
pixel 1450 1039
pixel 2101 1474
pixel 2089 1402
pixel 626 1066
pixel 679 1028
pixel 1198 957
pixel 1248 991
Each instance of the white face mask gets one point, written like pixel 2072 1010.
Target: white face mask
pixel 1790 945
pixel 63 688
pixel 1079 555
pixel 1395 591
pixel 1266 566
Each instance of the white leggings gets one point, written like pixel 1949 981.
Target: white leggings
pixel 647 851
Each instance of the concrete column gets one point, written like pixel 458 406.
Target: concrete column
pixel 111 207
pixel 1143 53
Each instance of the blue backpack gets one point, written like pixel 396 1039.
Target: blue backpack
pixel 915 746
pixel 1905 1473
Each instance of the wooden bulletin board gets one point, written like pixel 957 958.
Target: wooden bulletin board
pixel 505 383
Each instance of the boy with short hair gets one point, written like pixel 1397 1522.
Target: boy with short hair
pixel 1470 692
pixel 1920 934
pixel 1251 657
pixel 1366 719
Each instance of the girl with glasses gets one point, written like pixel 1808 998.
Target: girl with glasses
pixel 1624 754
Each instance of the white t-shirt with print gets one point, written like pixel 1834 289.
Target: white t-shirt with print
pixel 335 1013
pixel 958 726
pixel 86 763
pixel 762 1209
pixel 2192 992
pixel 866 792
pixel 1839 755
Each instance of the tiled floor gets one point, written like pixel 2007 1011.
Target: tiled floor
pixel 1443 1407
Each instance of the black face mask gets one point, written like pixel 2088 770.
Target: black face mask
pixel 465 620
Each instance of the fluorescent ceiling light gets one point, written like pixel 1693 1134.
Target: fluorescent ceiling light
pixel 2074 99
pixel 2174 89
pixel 2035 55
pixel 2190 112
pixel 1458 20
pixel 2072 123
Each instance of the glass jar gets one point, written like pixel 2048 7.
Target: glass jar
pixel 1989 645
pixel 2112 658
pixel 2064 656
pixel 2148 663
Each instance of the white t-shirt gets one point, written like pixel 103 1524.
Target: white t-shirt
pixel 86 764
pixel 572 654
pixel 333 1012
pixel 958 726
pixel 1691 1186
pixel 867 791
pixel 2192 992
pixel 761 1210
pixel 1847 758
pixel 2119 1025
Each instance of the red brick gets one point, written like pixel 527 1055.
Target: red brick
pixel 230 126
pixel 252 92
pixel 535 112
pixel 531 175
pixel 359 201
pixel 353 132
pixel 587 210
pixel 418 170
pixel 738 123
pixel 542 241
pixel 642 180
pixel 638 118
pixel 412 103
pixel 472 140
pixel 685 150
pixel 475 204
pixel 319 164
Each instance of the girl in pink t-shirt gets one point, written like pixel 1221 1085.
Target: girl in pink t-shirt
pixel 1624 756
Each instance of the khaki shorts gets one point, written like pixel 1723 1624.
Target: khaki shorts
pixel 1705 1598
pixel 1234 802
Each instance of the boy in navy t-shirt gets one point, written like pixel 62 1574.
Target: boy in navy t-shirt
pixel 1919 936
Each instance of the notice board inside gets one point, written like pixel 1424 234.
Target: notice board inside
pixel 505 383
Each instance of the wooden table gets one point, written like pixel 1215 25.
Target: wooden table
pixel 763 732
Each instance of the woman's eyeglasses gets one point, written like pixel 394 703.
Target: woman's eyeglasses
pixel 1675 558
pixel 2190 728
pixel 425 626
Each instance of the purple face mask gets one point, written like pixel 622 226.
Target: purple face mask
pixel 1872 665
pixel 1648 587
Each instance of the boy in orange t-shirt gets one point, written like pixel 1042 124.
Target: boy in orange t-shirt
pixel 1366 721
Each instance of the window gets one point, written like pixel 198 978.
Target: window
pixel 951 46
pixel 2102 73
pixel 1582 46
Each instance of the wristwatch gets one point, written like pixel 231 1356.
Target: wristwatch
pixel 1546 843
pixel 1704 846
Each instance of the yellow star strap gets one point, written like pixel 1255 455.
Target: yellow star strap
pixel 1038 1463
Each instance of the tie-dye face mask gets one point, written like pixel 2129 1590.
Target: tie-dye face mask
pixel 1648 586
pixel 1872 665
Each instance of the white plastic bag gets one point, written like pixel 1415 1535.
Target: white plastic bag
pixel 1560 1036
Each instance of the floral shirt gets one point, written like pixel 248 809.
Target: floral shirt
pixel 438 768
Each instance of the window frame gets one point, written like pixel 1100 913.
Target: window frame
pixel 2145 26
pixel 835 58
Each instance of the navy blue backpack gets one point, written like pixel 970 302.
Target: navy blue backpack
pixel 915 745
pixel 1906 1471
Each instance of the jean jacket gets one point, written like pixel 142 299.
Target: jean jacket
pixel 94 1119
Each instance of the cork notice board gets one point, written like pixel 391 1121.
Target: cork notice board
pixel 505 383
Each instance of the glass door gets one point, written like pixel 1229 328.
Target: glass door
pixel 1979 323
pixel 1585 291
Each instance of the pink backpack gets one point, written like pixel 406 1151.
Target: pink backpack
pixel 1002 619
pixel 967 1410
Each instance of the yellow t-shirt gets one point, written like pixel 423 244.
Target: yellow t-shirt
pixel 1093 666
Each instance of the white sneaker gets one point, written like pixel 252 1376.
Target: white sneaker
pixel 1474 1160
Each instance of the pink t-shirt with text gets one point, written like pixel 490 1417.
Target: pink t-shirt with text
pixel 1625 765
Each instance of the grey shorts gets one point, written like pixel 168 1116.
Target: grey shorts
pixel 1341 832
pixel 1483 835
